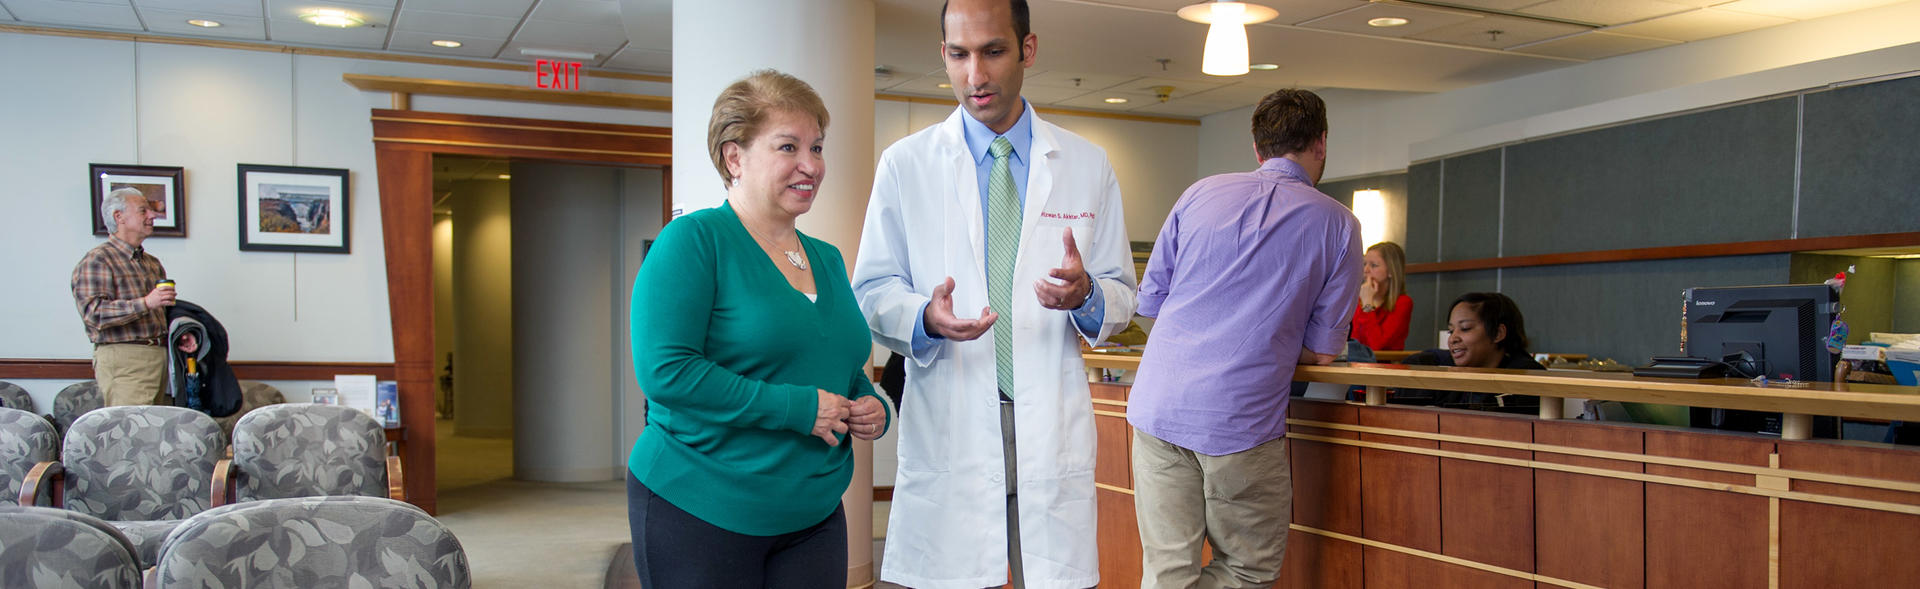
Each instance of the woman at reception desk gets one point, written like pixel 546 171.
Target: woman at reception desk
pixel 1484 330
pixel 1396 495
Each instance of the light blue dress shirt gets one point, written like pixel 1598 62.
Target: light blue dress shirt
pixel 1088 317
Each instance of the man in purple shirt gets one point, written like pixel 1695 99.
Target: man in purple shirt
pixel 1252 273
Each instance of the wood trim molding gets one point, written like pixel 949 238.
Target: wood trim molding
pixel 314 51
pixel 883 493
pixel 419 86
pixel 1050 110
pixel 1708 250
pixel 1440 557
pixel 62 368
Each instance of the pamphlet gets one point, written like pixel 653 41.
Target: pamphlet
pixel 388 408
pixel 356 391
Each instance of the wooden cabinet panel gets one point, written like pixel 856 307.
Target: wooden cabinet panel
pixel 1589 529
pixel 1386 569
pixel 1119 540
pixel 1831 546
pixel 1319 562
pixel 1326 486
pixel 1399 491
pixel 1113 458
pixel 1705 539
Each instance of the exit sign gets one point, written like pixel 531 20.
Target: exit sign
pixel 557 75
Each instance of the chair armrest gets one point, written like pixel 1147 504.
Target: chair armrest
pixel 223 483
pixel 396 483
pixel 44 475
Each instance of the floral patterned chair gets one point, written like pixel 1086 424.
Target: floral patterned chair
pixel 28 449
pixel 14 397
pixel 338 541
pixel 73 401
pixel 307 450
pixel 46 547
pixel 253 395
pixel 142 468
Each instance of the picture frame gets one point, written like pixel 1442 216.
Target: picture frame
pixel 294 209
pixel 164 186
pixel 326 396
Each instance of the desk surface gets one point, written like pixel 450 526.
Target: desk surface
pixel 1840 399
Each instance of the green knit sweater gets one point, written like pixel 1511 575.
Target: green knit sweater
pixel 729 356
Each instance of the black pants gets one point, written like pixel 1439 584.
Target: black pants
pixel 672 549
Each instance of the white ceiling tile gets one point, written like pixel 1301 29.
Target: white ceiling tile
pixel 470 46
pixel 80 14
pixel 1242 93
pixel 641 60
pixel 1291 11
pixel 1183 108
pixel 206 8
pixel 601 40
pixel 927 86
pixel 448 23
pixel 1419 20
pixel 1507 5
pixel 1802 9
pixel 4 15
pixel 1180 87
pixel 282 13
pixel 1098 100
pixel 1512 31
pixel 1041 94
pixel 1700 24
pixel 514 9
pixel 586 12
pixel 294 31
pixel 231 27
pixel 649 24
pixel 1605 12
pixel 1083 81
pixel 1594 45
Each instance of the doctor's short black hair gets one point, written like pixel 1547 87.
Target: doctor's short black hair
pixel 1288 121
pixel 1022 24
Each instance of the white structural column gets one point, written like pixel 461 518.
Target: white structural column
pixel 828 44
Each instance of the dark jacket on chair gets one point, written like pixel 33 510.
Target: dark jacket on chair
pixel 217 390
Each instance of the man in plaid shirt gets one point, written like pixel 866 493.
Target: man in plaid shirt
pixel 123 306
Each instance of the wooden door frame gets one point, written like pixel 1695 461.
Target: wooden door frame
pixel 404 145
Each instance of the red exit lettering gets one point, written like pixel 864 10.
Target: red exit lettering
pixel 557 75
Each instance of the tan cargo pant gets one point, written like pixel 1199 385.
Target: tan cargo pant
pixel 1240 503
pixel 131 374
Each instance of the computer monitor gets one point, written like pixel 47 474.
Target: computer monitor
pixel 1783 330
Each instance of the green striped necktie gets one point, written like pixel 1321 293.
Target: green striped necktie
pixel 1003 243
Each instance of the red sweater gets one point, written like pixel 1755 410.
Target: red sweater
pixel 1381 329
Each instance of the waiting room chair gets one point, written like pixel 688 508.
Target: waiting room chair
pixel 142 468
pixel 42 547
pixel 72 402
pixel 28 453
pixel 312 542
pixel 253 395
pixel 307 450
pixel 14 397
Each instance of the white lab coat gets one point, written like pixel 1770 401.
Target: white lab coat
pixel 924 224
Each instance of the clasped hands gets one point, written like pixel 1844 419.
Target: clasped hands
pixel 1075 286
pixel 865 418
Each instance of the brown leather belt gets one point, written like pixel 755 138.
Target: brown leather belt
pixel 152 341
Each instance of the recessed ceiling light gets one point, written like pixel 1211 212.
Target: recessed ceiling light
pixel 506 176
pixel 1263 67
pixel 333 18
pixel 201 22
pixel 946 85
pixel 1387 21
pixel 1116 100
pixel 445 43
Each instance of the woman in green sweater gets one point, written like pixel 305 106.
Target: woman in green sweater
pixel 752 354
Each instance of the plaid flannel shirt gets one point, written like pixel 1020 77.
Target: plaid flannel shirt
pixel 107 287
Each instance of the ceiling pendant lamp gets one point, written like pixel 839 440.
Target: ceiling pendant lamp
pixel 1226 50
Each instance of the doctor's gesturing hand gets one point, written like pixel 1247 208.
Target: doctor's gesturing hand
pixel 1076 285
pixel 941 322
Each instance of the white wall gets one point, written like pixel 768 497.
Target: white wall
pixel 1375 132
pixel 1152 160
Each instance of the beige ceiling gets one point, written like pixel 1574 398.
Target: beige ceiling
pixel 1090 50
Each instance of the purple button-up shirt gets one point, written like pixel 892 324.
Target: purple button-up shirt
pixel 1249 268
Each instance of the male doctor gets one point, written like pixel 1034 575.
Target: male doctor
pixel 993 241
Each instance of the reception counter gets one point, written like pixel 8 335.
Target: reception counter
pixel 1401 496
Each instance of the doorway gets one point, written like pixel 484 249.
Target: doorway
pixel 406 146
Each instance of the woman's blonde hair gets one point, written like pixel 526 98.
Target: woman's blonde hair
pixel 1396 259
pixel 746 104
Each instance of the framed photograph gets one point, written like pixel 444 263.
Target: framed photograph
pixel 288 209
pixel 163 185
pixel 326 396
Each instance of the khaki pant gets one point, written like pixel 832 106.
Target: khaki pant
pixel 131 374
pixel 1240 503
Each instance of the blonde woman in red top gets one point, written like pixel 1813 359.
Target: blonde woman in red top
pixel 1381 320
